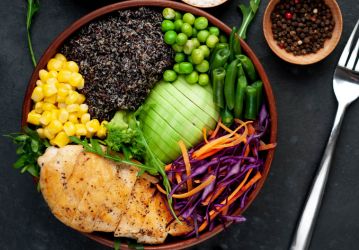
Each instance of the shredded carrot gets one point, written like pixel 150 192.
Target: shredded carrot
pixel 215 132
pixel 186 163
pixel 178 177
pixel 227 129
pixel 195 190
pixel 267 146
pixel 209 197
pixel 204 130
pixel 210 153
pixel 168 167
pixel 251 130
pixel 239 140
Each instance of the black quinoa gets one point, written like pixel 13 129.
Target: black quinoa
pixel 121 57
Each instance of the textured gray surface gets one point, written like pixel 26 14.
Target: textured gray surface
pixel 306 107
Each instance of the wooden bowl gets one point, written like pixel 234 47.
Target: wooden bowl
pixel 205 3
pixel 173 243
pixel 329 44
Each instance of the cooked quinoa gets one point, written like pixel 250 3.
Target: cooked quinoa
pixel 121 57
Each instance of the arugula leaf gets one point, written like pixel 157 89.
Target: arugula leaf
pixel 135 245
pixel 33 7
pixel 116 244
pixel 248 14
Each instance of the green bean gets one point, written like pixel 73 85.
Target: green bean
pixel 218 76
pixel 215 50
pixel 220 58
pixel 231 40
pixel 251 103
pixel 227 117
pixel 259 86
pixel 240 92
pixel 230 83
pixel 248 67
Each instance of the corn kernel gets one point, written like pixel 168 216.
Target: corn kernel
pixel 62 105
pixel 75 79
pixel 73 108
pixel 39 83
pixel 104 123
pixel 81 84
pixel 49 90
pixel 60 57
pixel 55 64
pixel 63 91
pixel 40 132
pixel 72 66
pixel 52 81
pixel 80 129
pixel 101 132
pixel 44 75
pixel 69 129
pixel 55 126
pixel 68 86
pixel 64 76
pixel 85 118
pixel 89 134
pixel 93 125
pixel 38 107
pixel 33 118
pixel 52 74
pixel 72 97
pixel 48 134
pixel 83 108
pixel 63 115
pixel 51 99
pixel 61 139
pixel 45 118
pixel 60 99
pixel 80 99
pixel 54 114
pixel 48 106
pixel 73 118
pixel 37 94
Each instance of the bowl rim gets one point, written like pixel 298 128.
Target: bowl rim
pixel 70 30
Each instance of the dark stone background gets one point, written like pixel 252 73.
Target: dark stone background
pixel 306 106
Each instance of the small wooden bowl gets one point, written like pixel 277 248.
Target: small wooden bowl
pixel 174 242
pixel 329 44
pixel 204 4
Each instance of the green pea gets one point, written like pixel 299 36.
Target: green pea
pixel 192 78
pixel 185 68
pixel 214 31
pixel 205 50
pixel 196 42
pixel 203 67
pixel 178 25
pixel 181 39
pixel 201 23
pixel 211 41
pixel 176 68
pixel 177 48
pixel 170 37
pixel 223 39
pixel 190 59
pixel 180 57
pixel 168 13
pixel 197 56
pixel 167 25
pixel 203 79
pixel 189 47
pixel 203 35
pixel 194 32
pixel 169 75
pixel 188 18
pixel 187 29
pixel 178 15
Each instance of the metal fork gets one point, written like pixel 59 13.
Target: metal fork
pixel 346 89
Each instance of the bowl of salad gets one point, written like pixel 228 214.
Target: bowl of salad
pixel 148 122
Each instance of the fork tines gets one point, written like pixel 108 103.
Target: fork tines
pixel 346 61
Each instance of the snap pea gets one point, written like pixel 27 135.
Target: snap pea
pixel 220 58
pixel 240 92
pixel 230 83
pixel 218 76
pixel 234 44
pixel 251 103
pixel 248 67
pixel 227 117
pixel 259 87
pixel 214 51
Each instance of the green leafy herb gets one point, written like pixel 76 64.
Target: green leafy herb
pixel 135 245
pixel 33 7
pixel 116 244
pixel 248 15
pixel 30 147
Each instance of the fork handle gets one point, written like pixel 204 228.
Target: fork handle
pixel 303 234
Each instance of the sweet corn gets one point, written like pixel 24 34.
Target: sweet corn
pixel 85 118
pixel 72 97
pixel 33 118
pixel 45 118
pixel 48 106
pixel 104 123
pixel 80 129
pixel 40 132
pixel 60 99
pixel 68 86
pixel 38 107
pixel 89 134
pixel 63 115
pixel 49 89
pixel 51 99
pixel 83 108
pixel 80 99
pixel 53 74
pixel 63 91
pixel 37 94
pixel 52 81
pixel 92 126
pixel 73 108
pixel 44 75
pixel 55 126
pixel 55 64
pixel 61 105
pixel 82 84
pixel 64 76
pixel 73 118
pixel 39 83
pixel 60 57
pixel 61 139
pixel 69 128
pixel 101 132
pixel 54 114
pixel 72 66
pixel 75 79
pixel 48 134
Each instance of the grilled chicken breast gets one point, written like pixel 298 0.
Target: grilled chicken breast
pixel 90 193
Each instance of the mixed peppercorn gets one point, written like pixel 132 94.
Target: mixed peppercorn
pixel 302 26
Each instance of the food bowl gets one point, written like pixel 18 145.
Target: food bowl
pixel 205 3
pixel 172 243
pixel 329 44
